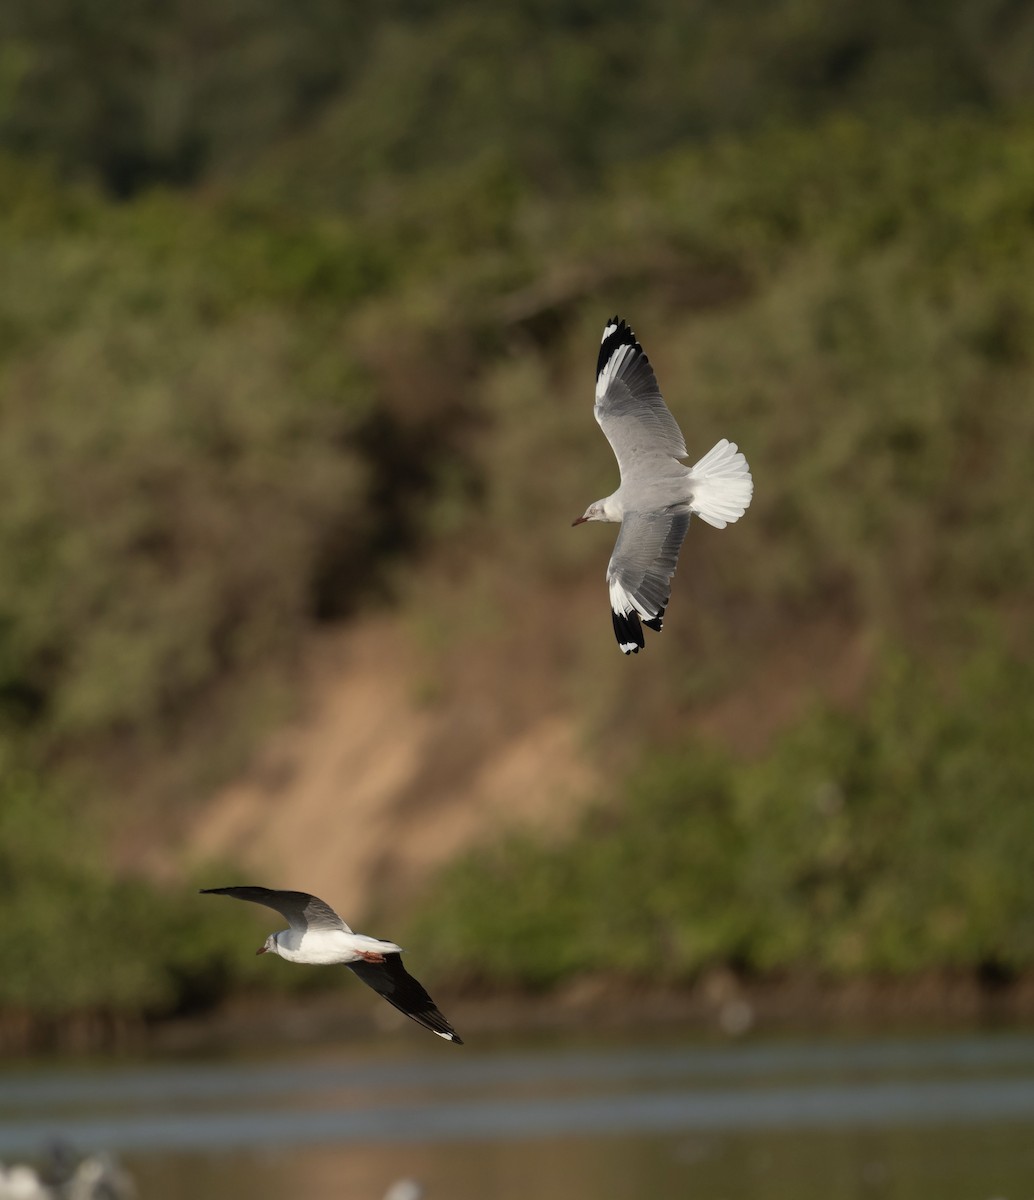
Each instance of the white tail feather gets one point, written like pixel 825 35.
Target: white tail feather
pixel 722 485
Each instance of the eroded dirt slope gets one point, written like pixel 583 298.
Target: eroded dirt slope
pixel 375 784
pixel 395 763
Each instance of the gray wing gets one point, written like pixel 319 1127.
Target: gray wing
pixel 301 910
pixel 391 980
pixel 640 571
pixel 629 406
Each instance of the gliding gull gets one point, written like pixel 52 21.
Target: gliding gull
pixel 658 494
pixel 318 935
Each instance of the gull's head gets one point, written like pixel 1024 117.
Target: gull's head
pixel 268 946
pixel 593 513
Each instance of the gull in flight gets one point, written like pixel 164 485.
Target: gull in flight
pixel 658 494
pixel 318 935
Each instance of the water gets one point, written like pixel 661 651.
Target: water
pixel 950 1118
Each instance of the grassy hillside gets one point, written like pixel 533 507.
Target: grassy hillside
pixel 264 366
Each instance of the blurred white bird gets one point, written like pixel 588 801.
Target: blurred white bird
pixel 405 1189
pixel 22 1182
pixel 67 1177
pixel 98 1177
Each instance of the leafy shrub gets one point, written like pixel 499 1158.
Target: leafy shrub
pixel 77 939
pixel 891 840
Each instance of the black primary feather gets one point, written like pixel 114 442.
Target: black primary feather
pixel 391 980
pixel 628 631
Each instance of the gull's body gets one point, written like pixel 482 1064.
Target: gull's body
pixel 318 936
pixel 328 947
pixel 658 493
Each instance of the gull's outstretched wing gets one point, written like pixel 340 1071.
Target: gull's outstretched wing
pixel 391 980
pixel 301 910
pixel 640 571
pixel 629 407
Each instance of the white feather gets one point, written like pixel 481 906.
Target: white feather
pixel 721 485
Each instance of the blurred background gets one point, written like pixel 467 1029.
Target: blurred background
pixel 299 314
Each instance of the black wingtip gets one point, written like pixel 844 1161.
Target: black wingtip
pixel 628 631
pixel 615 333
pixel 391 980
pixel 656 622
pixel 431 1018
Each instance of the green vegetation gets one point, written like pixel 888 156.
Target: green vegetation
pixel 69 924
pixel 336 102
pixel 293 294
pixel 888 843
pixel 169 435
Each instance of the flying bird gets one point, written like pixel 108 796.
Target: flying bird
pixel 318 935
pixel 658 494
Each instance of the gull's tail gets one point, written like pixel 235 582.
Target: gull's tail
pixel 721 485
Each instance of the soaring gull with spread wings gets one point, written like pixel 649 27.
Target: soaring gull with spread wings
pixel 658 494
pixel 318 935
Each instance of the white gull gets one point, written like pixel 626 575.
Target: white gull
pixel 318 935
pixel 658 494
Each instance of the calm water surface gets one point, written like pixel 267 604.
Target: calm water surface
pixel 950 1118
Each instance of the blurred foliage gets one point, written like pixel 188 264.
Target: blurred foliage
pixel 331 100
pixel 187 449
pixel 854 310
pixel 78 940
pixel 298 308
pixel 888 842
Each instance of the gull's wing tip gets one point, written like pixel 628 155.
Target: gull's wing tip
pixel 391 980
pixel 615 346
pixel 628 631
